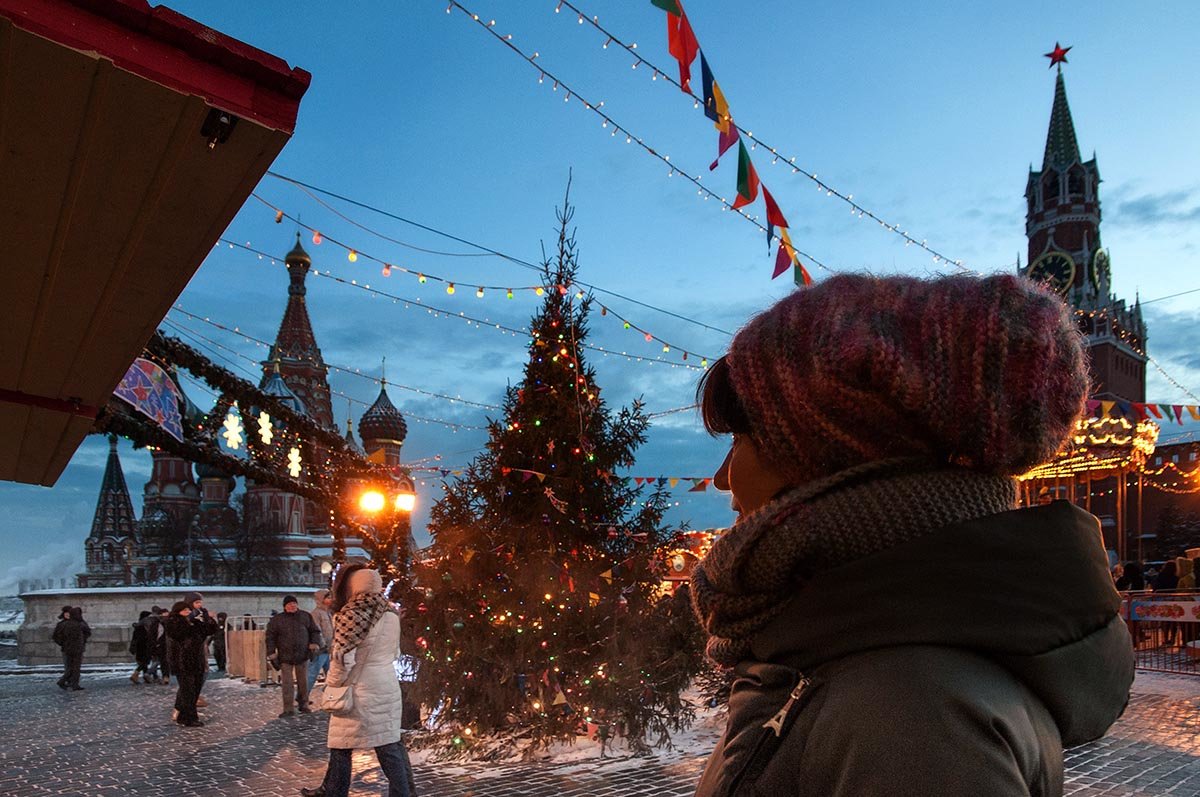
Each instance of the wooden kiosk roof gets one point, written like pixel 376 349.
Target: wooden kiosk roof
pixel 116 179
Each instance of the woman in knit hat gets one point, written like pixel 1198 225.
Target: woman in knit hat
pixel 878 425
pixel 366 642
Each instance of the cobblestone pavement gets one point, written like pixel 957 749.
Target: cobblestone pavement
pixel 117 739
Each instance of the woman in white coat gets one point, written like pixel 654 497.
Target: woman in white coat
pixel 366 642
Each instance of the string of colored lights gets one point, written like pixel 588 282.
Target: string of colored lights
pixel 481 323
pixel 855 208
pixel 306 187
pixel 353 254
pixel 196 336
pixel 480 290
pixel 608 121
pixel 334 367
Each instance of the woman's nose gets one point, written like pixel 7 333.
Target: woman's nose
pixel 721 477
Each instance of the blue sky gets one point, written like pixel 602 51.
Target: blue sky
pixel 929 117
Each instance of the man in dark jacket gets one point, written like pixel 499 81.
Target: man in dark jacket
pixel 187 633
pixel 139 646
pixel 292 637
pixel 71 634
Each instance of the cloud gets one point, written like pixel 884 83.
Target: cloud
pixel 61 560
pixel 1164 207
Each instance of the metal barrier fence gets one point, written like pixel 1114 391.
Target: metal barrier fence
pixel 1166 629
pixel 246 650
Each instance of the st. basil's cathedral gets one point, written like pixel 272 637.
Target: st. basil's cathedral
pixel 195 499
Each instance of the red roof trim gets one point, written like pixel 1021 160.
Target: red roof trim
pixel 175 51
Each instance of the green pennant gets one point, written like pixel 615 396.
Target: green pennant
pixel 670 6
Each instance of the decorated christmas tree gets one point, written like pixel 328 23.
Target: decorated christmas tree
pixel 539 614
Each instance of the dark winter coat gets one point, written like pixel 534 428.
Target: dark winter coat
pixel 156 635
pixel 289 634
pixel 959 664
pixel 71 634
pixel 186 637
pixel 141 646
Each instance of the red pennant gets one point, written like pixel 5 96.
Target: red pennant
pixel 682 44
pixel 1178 408
pixel 783 260
pixel 1153 410
pixel 774 215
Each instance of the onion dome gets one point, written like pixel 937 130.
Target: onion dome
pixel 274 385
pixel 298 255
pixel 382 421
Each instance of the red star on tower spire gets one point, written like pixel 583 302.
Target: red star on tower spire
pixel 1058 55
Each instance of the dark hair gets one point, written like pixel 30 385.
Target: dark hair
pixel 720 408
pixel 143 615
pixel 341 585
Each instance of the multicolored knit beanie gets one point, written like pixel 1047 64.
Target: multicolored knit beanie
pixel 985 373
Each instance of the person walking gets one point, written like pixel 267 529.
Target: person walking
pixel 321 615
pixel 162 648
pixel 878 426
pixel 196 601
pixel 71 634
pixel 140 647
pixel 366 642
pixel 187 633
pixel 292 638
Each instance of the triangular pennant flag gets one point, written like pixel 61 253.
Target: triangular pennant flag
pixel 526 475
pixel 593 598
pixel 682 44
pixel 1126 408
pixel 706 86
pixel 638 480
pixel 670 6
pixel 607 575
pixel 774 216
pixel 800 275
pixel 1092 406
pixel 1139 410
pixel 468 555
pixel 783 259
pixel 674 481
pixel 541 477
pixel 1178 410
pixel 725 140
pixel 559 698
pixel 1106 408
pixel 455 472
pixel 747 180
pixel 699 485
pixel 1153 410
pixel 1166 409
pixel 1194 411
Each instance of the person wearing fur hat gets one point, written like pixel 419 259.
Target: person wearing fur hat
pixel 878 425
pixel 366 642
pixel 187 632
pixel 292 638
pixel 322 601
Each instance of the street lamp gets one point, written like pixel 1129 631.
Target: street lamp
pixel 405 501
pixel 371 501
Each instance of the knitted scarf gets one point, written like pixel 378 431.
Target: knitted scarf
pixel 355 620
pixel 752 571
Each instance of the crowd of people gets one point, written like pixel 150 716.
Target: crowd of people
pixel 1172 575
pixel 351 636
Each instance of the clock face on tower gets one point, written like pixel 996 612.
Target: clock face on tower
pixel 1056 269
pixel 1099 267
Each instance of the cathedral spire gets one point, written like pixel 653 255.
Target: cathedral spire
pixel 1062 149
pixel 295 354
pixel 114 509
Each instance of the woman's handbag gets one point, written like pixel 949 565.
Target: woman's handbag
pixel 338 699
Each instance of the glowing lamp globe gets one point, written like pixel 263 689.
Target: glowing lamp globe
pixel 371 501
pixel 406 502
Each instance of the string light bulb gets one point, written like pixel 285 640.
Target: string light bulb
pixel 421 278
pixel 317 238
pixel 387 270
pixel 508 294
pixel 352 256
pixel 479 292
pixel 450 288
